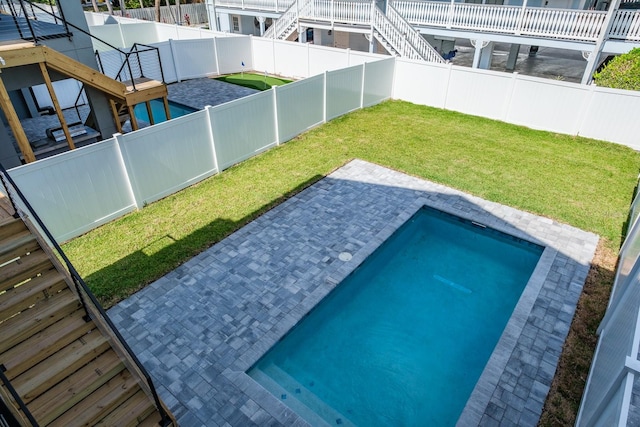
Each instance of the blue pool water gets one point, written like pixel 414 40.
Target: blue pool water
pixel 157 109
pixel 404 339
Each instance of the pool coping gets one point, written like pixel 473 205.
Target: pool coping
pixel 514 383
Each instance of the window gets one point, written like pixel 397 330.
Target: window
pixel 235 21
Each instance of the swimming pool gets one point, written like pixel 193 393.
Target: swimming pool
pixel 404 339
pixel 157 110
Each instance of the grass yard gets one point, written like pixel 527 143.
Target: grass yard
pixel 254 81
pixel 585 183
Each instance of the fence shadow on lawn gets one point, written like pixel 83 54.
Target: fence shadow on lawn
pixel 157 263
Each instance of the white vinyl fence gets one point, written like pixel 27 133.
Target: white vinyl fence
pixel 556 106
pixel 610 388
pixel 79 190
pixel 185 150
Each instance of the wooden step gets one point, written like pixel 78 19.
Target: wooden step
pixel 45 343
pixel 59 366
pixel 17 245
pixel 24 268
pixel 131 412
pixel 60 398
pixel 99 403
pixel 152 420
pixel 21 297
pixel 11 226
pixel 43 314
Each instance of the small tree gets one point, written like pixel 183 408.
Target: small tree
pixel 623 72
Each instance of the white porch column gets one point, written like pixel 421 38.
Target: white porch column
pixel 211 15
pixel 476 54
pixel 486 55
pixel 514 50
pixel 592 62
pixel 302 34
pixel 261 20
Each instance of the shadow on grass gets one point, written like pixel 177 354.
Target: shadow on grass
pixel 121 279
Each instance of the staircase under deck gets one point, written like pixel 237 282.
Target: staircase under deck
pixel 123 96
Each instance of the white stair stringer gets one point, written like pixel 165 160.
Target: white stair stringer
pixel 284 26
pixel 400 38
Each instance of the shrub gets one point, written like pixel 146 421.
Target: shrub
pixel 623 72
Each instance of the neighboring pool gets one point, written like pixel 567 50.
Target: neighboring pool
pixel 157 109
pixel 404 339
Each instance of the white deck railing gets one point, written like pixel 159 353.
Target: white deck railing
pixel 626 25
pixel 265 5
pixel 569 24
pixel 556 23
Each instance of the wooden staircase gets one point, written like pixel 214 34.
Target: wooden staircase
pixel 67 368
pixel 122 96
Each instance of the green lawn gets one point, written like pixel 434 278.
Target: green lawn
pixel 254 81
pixel 586 183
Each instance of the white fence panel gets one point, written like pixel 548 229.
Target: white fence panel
pixel 613 116
pixel 243 128
pixel 141 32
pixel 421 83
pixel 547 104
pixel 66 91
pixel 167 60
pixel 291 59
pixel 111 61
pixel 299 106
pixel 108 33
pixel 263 59
pixel 378 81
pixel 232 53
pixel 194 58
pixel 478 92
pixel 190 33
pixel 356 57
pixel 168 157
pixel 614 345
pixel 78 191
pixel 166 32
pixel 343 91
pixel 628 260
pixel 323 59
pixel 93 18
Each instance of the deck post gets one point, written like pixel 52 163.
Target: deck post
pixel 56 106
pixel 14 123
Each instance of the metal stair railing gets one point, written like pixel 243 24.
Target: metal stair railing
pixel 125 70
pixel 132 67
pixel 16 397
pixel 91 307
pixel 33 22
pixel 414 40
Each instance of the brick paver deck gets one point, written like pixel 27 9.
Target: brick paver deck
pixel 199 328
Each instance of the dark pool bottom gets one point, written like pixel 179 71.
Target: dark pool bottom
pixel 404 339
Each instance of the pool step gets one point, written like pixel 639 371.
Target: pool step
pixel 298 397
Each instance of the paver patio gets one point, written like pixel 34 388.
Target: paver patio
pixel 200 327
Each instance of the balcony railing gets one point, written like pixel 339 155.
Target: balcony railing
pixel 566 24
